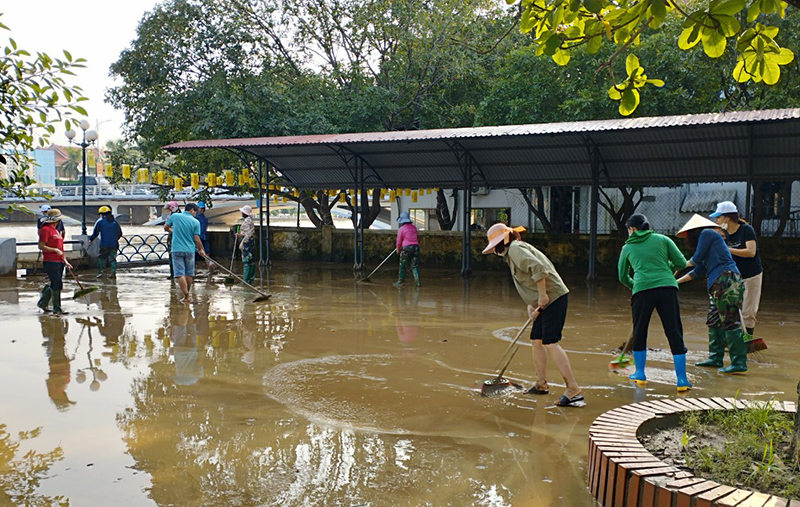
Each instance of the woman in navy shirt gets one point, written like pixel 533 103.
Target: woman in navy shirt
pixel 725 289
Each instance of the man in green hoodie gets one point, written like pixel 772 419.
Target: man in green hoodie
pixel 653 258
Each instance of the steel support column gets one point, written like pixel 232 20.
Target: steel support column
pixel 268 260
pixel 593 203
pixel 750 149
pixel 358 219
pixel 260 182
pixel 466 253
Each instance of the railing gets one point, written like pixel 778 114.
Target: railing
pixel 143 248
pixel 103 190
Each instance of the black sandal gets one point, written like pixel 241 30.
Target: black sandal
pixel 535 390
pixel 569 402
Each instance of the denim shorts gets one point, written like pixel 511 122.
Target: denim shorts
pixel 183 264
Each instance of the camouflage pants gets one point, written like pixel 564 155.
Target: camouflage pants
pixel 247 252
pixel 725 302
pixel 409 255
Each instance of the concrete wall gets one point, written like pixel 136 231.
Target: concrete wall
pixel 442 249
pixel 8 257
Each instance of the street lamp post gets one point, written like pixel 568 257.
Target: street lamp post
pixel 89 137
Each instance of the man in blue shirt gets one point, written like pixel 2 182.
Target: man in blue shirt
pixel 109 231
pixel 201 217
pixel 185 230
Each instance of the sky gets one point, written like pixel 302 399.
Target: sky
pixel 92 29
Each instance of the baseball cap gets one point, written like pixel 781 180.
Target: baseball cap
pixel 724 207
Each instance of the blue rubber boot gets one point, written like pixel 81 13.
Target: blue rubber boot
pixel 640 360
pixel 680 372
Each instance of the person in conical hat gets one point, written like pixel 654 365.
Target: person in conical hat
pixel 725 290
pixel 540 286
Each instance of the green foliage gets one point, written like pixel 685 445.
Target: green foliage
pixel 559 27
pixel 746 447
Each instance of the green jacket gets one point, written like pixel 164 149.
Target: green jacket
pixel 653 257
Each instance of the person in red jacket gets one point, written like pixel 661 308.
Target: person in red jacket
pixel 51 243
pixel 408 247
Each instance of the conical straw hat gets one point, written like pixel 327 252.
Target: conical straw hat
pixel 696 222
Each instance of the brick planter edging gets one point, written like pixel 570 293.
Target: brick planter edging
pixel 622 473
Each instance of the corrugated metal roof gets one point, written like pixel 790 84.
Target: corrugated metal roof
pixel 654 150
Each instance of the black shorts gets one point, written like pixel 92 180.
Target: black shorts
pixel 550 323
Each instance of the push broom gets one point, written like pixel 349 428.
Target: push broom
pixel 83 291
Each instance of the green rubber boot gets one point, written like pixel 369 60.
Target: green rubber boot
pixel 113 263
pixel 101 266
pixel 44 300
pixel 416 276
pixel 401 277
pixel 249 273
pixel 737 351
pixel 716 348
pixel 57 303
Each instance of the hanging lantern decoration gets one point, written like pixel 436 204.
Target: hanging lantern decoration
pixel 414 196
pixel 392 196
pixel 383 194
pixel 126 171
pixel 285 199
pixel 408 191
pixel 142 175
pixel 170 181
pixel 211 180
pixel 178 184
pixel 275 199
pixel 428 191
pixel 161 177
pixel 195 181
pixel 108 171
pixel 229 181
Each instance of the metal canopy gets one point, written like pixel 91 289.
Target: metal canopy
pixel 735 146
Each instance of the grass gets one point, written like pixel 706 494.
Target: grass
pixel 745 448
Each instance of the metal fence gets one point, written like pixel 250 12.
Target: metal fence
pixel 143 248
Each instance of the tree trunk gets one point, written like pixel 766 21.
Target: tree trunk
pixel 626 209
pixel 538 209
pixel 446 221
pixel 786 204
pixel 317 206
pixel 758 207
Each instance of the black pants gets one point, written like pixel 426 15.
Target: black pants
pixel 55 271
pixel 665 301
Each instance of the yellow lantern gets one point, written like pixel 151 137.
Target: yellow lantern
pixel 232 339
pixel 195 179
pixel 126 171
pixel 428 191
pixel 229 181
pixel 178 184
pixel 143 175
pixel 383 194
pixel 436 190
pixel 108 171
pixel 275 199
pixel 392 196
pixel 242 180
pixel 246 174
pixel 285 199
pixel 211 180
pixel 408 191
pixel 414 196
pixel 161 177
pixel 170 181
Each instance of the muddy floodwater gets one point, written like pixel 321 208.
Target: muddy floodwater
pixel 331 394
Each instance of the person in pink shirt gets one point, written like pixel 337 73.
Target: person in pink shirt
pixel 408 246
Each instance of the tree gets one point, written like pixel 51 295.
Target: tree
pixel 559 27
pixel 70 167
pixel 631 198
pixel 34 97
pixel 443 216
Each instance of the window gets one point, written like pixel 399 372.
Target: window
pixel 483 218
pixel 424 219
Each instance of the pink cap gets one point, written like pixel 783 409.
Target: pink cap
pixel 172 205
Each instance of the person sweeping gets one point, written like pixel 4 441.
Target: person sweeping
pixel 546 295
pixel 741 240
pixel 653 258
pixel 185 232
pixel 408 247
pixel 51 243
pixel 109 231
pixel 247 235
pixel 725 290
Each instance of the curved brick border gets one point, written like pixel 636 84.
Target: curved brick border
pixel 622 473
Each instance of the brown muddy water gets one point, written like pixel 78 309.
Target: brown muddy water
pixel 331 394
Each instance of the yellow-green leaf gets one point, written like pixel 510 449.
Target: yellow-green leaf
pixel 729 25
pixel 593 6
pixel 561 57
pixel 785 57
pixel 726 7
pixel 629 102
pixel 753 11
pixel 631 64
pixel 593 45
pixel 771 71
pixel 658 83
pixel 689 37
pixel 614 94
pixel 713 42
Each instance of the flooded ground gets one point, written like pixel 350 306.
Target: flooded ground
pixel 331 394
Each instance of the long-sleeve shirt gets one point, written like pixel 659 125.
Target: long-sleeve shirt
pixel 248 229
pixel 711 256
pixel 109 232
pixel 528 266
pixel 406 236
pixel 201 217
pixel 653 257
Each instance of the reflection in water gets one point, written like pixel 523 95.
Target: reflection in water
pixel 330 395
pixel 54 330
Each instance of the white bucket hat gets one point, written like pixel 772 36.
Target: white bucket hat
pixel 247 210
pixel 724 207
pixel 696 222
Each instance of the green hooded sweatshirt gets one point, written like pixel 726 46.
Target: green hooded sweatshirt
pixel 653 258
